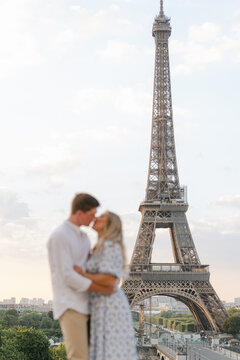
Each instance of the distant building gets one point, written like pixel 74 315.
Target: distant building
pixel 33 301
pixel 40 301
pixel 22 307
pixel 230 304
pixel 36 301
pixel 24 301
pixel 27 304
pixel 237 301
pixel 11 301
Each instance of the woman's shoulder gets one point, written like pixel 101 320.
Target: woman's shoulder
pixel 108 244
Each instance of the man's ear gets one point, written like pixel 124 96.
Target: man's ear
pixel 79 213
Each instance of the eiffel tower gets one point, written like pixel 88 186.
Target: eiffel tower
pixel 165 206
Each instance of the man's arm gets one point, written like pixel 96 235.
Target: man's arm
pixel 60 255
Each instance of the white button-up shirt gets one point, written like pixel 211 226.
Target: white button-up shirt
pixel 68 246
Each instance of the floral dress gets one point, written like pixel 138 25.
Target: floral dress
pixel 112 334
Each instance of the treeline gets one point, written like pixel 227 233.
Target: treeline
pixel 31 319
pixel 232 324
pixel 25 336
pixel 20 343
pixel 183 322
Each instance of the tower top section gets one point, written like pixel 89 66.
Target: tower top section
pixel 161 8
pixel 161 22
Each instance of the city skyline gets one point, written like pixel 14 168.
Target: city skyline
pixel 76 84
pixel 40 301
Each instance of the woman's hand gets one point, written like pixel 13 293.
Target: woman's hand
pixel 79 270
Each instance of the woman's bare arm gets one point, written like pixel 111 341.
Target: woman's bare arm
pixel 104 290
pixel 99 279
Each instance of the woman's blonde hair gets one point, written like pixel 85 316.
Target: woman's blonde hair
pixel 113 232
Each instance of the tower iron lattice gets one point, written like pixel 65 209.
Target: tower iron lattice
pixel 165 206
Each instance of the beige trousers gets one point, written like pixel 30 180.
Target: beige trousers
pixel 74 329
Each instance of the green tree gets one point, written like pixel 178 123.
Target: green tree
pixel 45 323
pixel 31 319
pixel 13 312
pixel 232 325
pixel 1 342
pixel 167 314
pixel 59 353
pixel 56 325
pixel 233 312
pixel 50 314
pixel 24 344
pixel 9 348
pixel 9 321
pixel 9 318
pixel 33 344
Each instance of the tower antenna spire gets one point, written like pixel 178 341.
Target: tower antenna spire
pixel 161 8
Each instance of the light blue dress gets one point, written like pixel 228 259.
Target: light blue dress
pixel 111 335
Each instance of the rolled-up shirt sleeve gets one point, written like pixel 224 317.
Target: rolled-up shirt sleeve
pixel 60 251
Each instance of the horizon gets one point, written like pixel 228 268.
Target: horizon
pixel 46 300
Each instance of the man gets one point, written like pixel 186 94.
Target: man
pixel 68 246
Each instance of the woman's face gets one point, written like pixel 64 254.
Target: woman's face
pixel 100 222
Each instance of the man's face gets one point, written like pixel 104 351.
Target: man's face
pixel 87 217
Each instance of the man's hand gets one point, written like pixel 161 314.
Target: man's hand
pixel 79 270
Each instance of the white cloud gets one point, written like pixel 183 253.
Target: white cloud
pixel 21 235
pixel 218 226
pixel 230 201
pixel 185 122
pixel 131 102
pixel 109 135
pixel 183 112
pixel 237 12
pixel 18 43
pixel 86 22
pixel 10 207
pixel 117 51
pixel 131 222
pixel 54 160
pixel 204 32
pixel 205 45
pixel 217 243
pixel 126 1
pixel 21 239
pixel 149 51
pixel 64 40
pixel 56 181
pixel 60 27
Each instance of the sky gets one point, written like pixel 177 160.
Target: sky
pixel 76 84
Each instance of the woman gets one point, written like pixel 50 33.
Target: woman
pixel 112 334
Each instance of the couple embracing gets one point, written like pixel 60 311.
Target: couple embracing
pixel 85 284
